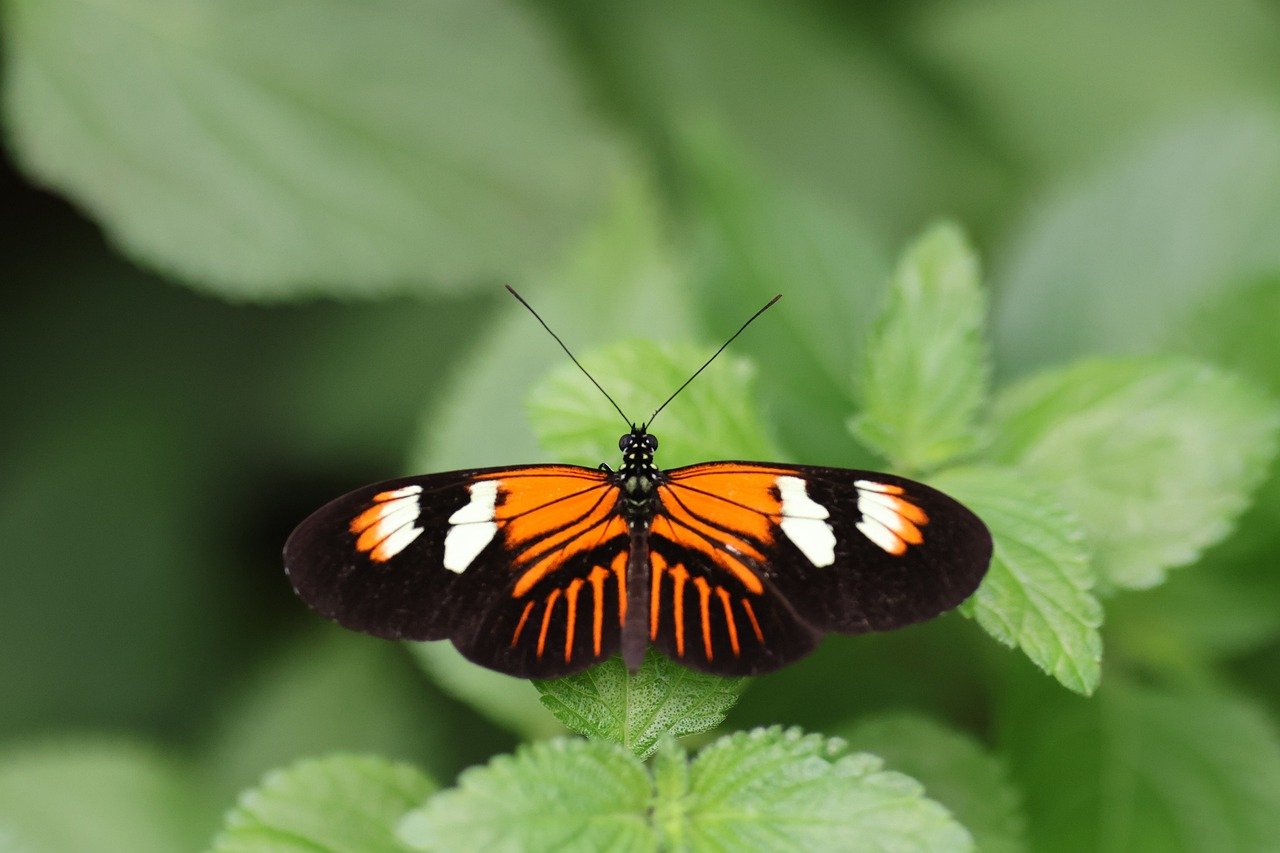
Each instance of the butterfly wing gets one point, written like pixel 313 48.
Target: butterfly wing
pixel 753 562
pixel 522 568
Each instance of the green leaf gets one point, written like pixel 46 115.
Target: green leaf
pixel 776 789
pixel 713 418
pixel 1145 769
pixel 549 795
pixel 956 771
pixel 637 711
pixel 337 803
pixel 246 149
pixel 1156 456
pixel 1037 594
pixel 509 702
pixel 752 240
pixel 926 366
pixel 1112 264
pixel 99 795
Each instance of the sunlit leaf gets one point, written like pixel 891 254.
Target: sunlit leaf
pixel 925 371
pixel 547 796
pixel 662 699
pixel 1155 456
pixel 780 789
pixel 1037 595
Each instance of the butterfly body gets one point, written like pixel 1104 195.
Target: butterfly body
pixel 736 568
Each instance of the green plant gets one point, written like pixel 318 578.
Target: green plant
pixel 1052 463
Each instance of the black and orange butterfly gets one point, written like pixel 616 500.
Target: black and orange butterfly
pixel 735 568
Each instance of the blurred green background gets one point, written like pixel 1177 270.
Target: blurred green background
pixel 254 258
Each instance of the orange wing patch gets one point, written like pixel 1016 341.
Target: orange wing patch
pixel 548 518
pixel 727 512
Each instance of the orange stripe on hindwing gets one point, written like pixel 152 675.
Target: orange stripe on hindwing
pixel 728 619
pixel 571 601
pixel 679 574
pixel 546 619
pixel 704 600
pixel 597 578
pixel 619 568
pixel 520 625
pixel 657 565
pixel 751 615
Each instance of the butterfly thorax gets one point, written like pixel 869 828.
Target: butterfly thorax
pixel 638 477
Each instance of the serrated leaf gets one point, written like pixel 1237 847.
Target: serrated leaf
pixel 547 796
pixel 779 789
pixel 926 365
pixel 955 770
pixel 241 147
pixel 1037 594
pixel 1156 456
pixel 713 418
pixel 1145 769
pixel 509 702
pixel 339 803
pixel 90 795
pixel 663 699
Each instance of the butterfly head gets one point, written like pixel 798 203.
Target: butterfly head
pixel 638 474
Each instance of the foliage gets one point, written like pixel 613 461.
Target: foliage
pixel 1089 361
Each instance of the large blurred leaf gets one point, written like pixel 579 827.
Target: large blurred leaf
pixel 340 804
pixel 1141 769
pixel 331 690
pixel 816 101
pixel 99 796
pixel 955 770
pixel 754 238
pixel 1113 263
pixel 510 702
pixel 1156 456
pixel 1055 83
pixel 621 281
pixel 268 150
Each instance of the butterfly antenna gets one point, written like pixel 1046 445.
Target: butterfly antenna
pixel 750 320
pixel 571 357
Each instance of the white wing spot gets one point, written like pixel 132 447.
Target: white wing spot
pixel 472 527
pixel 804 522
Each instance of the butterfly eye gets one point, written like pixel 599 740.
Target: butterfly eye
pixel 624 442
pixel 651 441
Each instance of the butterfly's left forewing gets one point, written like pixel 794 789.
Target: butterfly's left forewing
pixel 753 562
pixel 522 568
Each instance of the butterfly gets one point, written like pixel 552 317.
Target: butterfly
pixel 734 568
